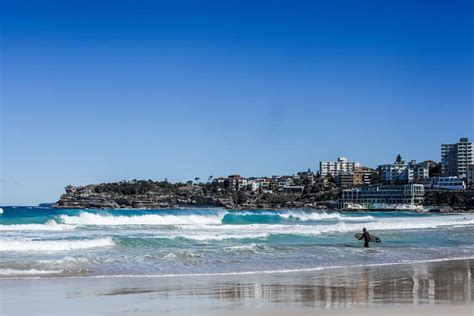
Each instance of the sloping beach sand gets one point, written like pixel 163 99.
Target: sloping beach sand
pixel 429 288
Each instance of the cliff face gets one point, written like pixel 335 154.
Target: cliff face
pixel 156 195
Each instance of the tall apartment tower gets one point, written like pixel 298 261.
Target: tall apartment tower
pixel 336 168
pixel 456 157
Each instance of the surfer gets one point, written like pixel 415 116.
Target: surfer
pixel 366 237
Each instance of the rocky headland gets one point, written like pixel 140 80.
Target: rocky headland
pixel 148 194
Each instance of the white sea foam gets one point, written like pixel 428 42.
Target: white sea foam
pixel 30 272
pixel 181 255
pixel 305 216
pixel 318 216
pixel 54 245
pixel 86 218
pixel 66 261
pixel 253 247
pixel 221 232
pixel 281 271
pixel 203 236
pixel 48 226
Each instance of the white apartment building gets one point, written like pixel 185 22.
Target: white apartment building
pixel 456 157
pixel 402 172
pixel 394 172
pixel 448 183
pixel 336 168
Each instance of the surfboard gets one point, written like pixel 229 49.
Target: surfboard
pixel 372 238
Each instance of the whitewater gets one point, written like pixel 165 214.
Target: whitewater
pixel 47 242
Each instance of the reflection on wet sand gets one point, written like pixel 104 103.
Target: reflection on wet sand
pixel 422 283
pixel 416 284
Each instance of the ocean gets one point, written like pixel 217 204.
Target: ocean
pixel 46 242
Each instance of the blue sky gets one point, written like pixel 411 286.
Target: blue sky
pixel 96 91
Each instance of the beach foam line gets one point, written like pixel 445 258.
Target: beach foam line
pixel 54 245
pixel 182 254
pixel 283 271
pixel 66 261
pixel 30 272
pixel 253 247
pixel 256 272
pixel 48 226
pixel 214 236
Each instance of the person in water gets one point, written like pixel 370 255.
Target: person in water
pixel 366 237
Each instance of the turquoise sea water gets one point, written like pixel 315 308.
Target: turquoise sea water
pixel 44 242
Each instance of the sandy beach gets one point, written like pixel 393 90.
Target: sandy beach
pixel 429 288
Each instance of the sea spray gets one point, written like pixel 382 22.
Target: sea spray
pixel 50 225
pixel 54 245
pixel 206 218
pixel 86 218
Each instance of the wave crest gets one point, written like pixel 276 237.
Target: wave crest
pixel 86 218
pixel 318 216
pixel 218 218
pixel 48 226
pixel 54 245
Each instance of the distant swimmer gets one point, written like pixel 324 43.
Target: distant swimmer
pixel 366 236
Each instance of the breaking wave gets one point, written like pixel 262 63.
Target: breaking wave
pixel 54 245
pixel 211 218
pixel 86 218
pixel 68 243
pixel 48 226
pixel 259 231
pixel 318 216
pixel 268 217
pixel 204 236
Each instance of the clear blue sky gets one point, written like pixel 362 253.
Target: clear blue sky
pixel 96 91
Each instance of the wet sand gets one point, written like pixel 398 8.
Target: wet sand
pixel 431 288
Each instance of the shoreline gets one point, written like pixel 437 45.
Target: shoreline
pixel 429 288
pixel 236 273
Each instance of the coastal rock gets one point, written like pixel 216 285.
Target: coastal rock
pixel 147 194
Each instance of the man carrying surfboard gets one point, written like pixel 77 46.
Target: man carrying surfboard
pixel 366 237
